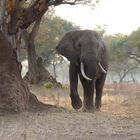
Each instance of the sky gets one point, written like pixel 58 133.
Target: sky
pixel 119 16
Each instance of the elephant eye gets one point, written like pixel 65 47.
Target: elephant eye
pixel 78 45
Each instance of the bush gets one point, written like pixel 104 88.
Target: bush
pixel 49 85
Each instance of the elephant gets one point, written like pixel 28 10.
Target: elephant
pixel 88 56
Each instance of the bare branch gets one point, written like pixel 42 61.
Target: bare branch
pixel 58 2
pixel 71 3
pixel 35 29
pixel 25 16
pixel 2 11
pixel 25 36
pixel 126 72
pixel 135 57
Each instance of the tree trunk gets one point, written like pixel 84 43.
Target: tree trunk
pixel 54 69
pixel 36 71
pixel 14 94
pixel 33 74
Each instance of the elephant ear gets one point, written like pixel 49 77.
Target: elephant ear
pixel 66 48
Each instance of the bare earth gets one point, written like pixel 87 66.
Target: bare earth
pixel 119 119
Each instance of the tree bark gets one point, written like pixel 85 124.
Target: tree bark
pixel 36 71
pixel 23 17
pixel 2 11
pixel 14 94
pixel 54 69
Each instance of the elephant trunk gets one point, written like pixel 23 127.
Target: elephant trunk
pixel 88 70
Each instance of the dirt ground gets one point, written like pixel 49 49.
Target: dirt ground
pixel 119 118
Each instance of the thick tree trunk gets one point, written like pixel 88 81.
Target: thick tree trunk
pixel 36 71
pixel 32 64
pixel 14 94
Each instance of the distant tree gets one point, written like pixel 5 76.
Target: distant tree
pixel 56 59
pixel 133 41
pixel 52 29
pixel 101 29
pixel 119 58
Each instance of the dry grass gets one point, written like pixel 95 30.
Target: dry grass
pixel 113 94
pixel 119 118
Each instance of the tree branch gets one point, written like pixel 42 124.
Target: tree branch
pixel 134 56
pixel 25 36
pixel 23 17
pixel 126 72
pixel 58 2
pixel 29 37
pixel 35 29
pixel 2 11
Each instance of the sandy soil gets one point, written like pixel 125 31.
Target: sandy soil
pixel 119 119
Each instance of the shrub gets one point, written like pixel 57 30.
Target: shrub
pixel 49 85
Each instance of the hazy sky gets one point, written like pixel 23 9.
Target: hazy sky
pixel 120 16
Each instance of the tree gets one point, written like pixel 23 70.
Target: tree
pixel 119 58
pixel 17 15
pixel 52 29
pixel 101 29
pixel 36 71
pixel 56 59
pixel 133 42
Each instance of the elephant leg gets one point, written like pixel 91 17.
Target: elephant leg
pixel 88 87
pixel 75 99
pixel 99 89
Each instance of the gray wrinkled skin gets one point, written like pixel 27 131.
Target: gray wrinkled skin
pixel 85 46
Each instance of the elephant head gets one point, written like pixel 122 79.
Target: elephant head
pixel 83 48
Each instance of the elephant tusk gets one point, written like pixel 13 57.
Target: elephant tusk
pixel 103 70
pixel 83 72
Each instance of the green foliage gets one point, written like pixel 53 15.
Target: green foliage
pixel 52 29
pixel 66 87
pixel 121 46
pixel 133 41
pixel 118 48
pixel 49 85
